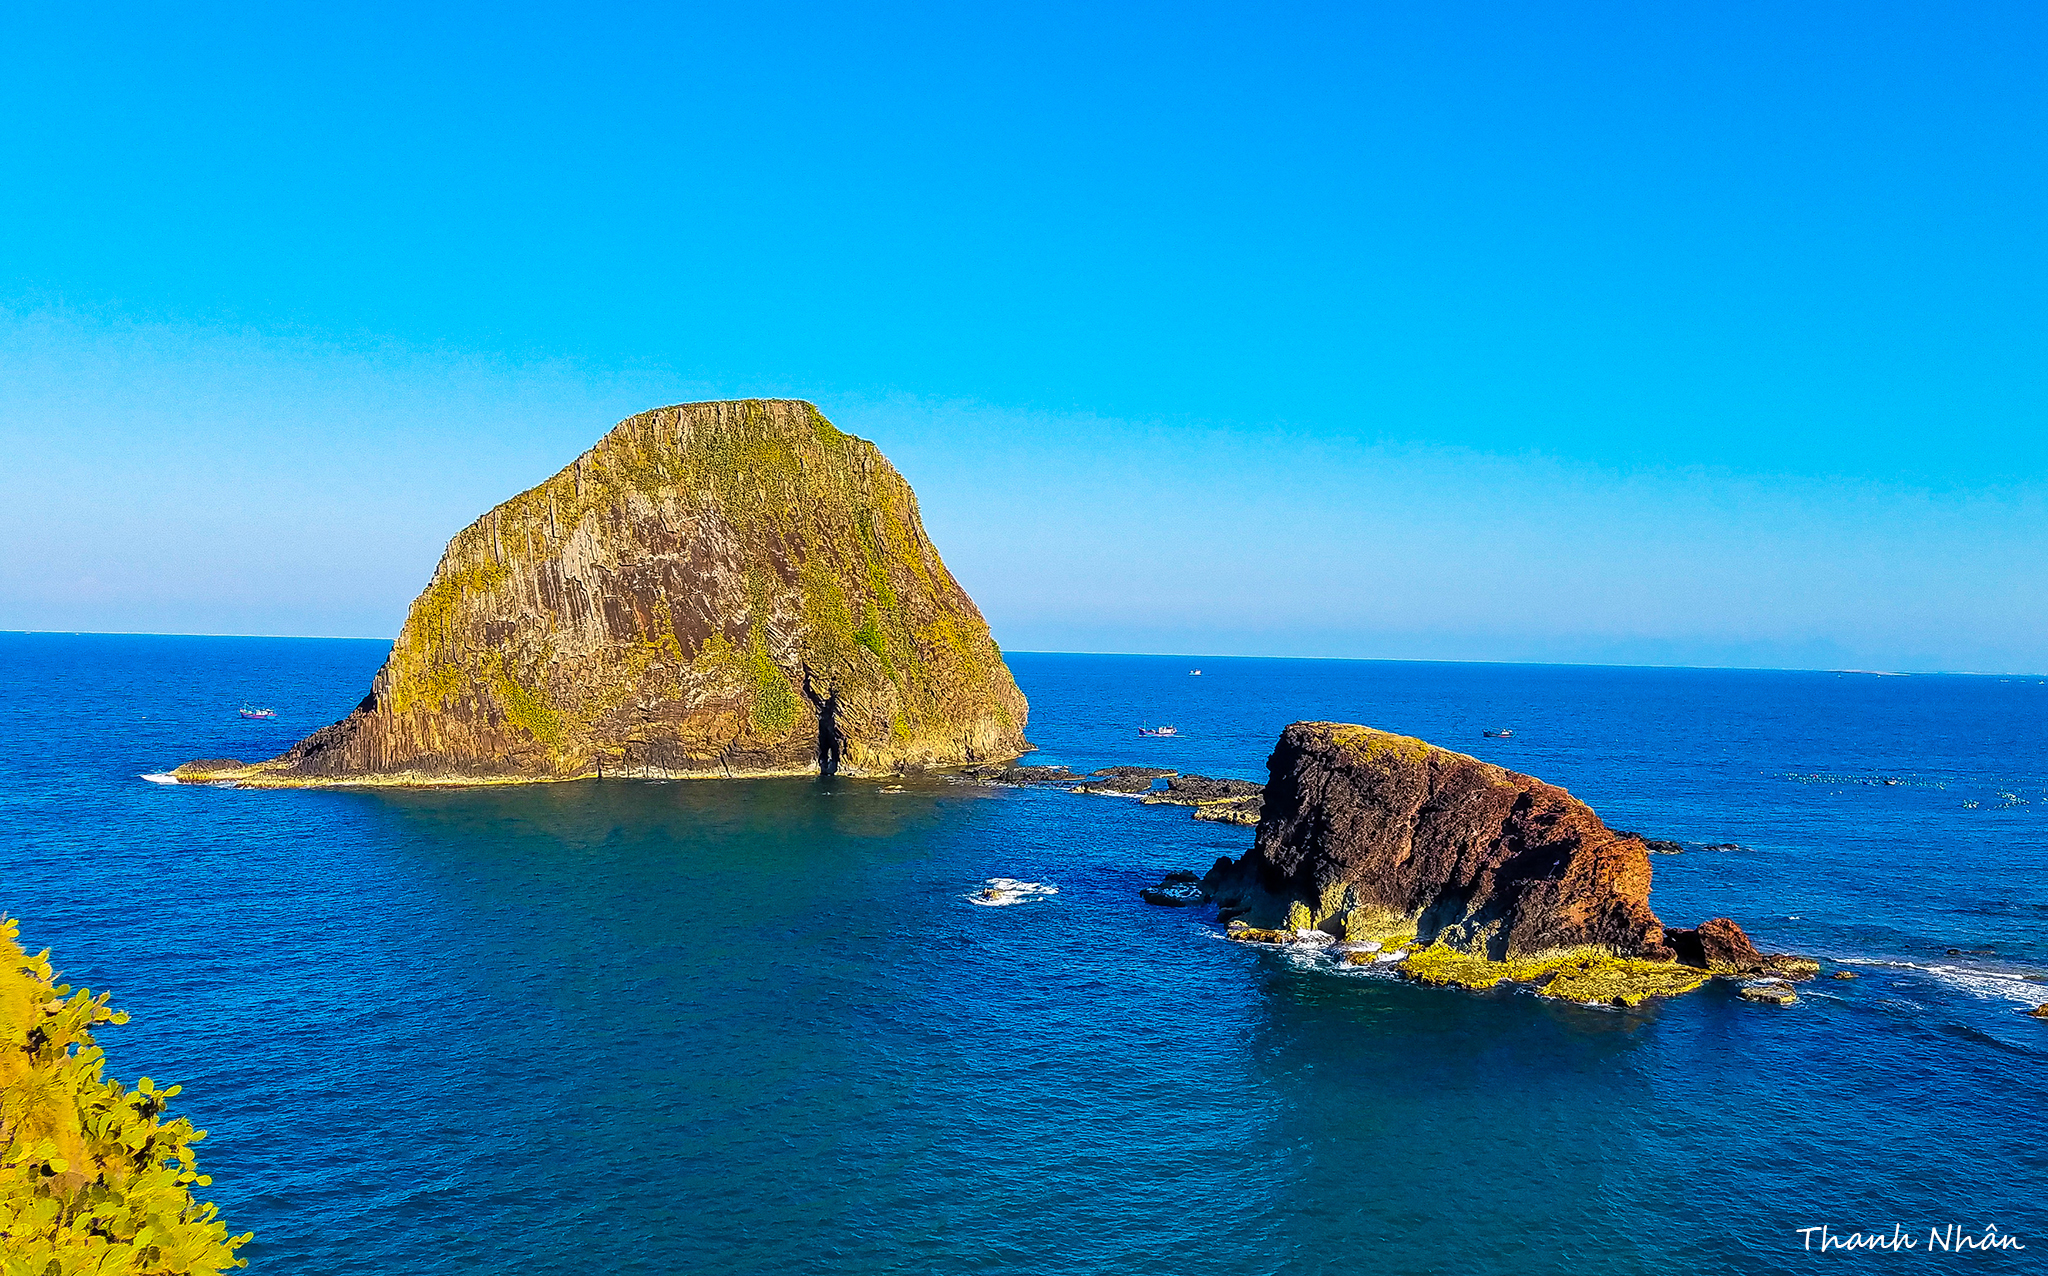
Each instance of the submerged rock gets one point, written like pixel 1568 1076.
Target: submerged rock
pixel 1775 993
pixel 713 589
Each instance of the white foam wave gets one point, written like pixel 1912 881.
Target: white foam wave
pixel 160 777
pixel 1992 985
pixel 999 892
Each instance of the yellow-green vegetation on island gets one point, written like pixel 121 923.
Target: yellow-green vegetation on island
pixel 94 1177
pixel 714 589
pixel 1455 872
pixel 1582 974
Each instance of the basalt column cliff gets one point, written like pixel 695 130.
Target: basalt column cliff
pixel 713 589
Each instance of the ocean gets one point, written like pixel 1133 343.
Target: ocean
pixel 763 1026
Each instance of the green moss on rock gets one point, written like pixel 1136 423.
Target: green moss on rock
pixel 1580 974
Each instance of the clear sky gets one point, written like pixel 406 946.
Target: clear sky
pixel 1623 332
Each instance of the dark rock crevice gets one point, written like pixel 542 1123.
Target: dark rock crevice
pixel 830 739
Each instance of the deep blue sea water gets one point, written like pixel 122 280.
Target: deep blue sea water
pixel 757 1027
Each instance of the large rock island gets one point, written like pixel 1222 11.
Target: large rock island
pixel 714 589
pixel 1463 872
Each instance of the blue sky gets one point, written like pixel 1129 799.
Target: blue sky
pixel 1637 333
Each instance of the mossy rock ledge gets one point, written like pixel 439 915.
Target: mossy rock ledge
pixel 1472 874
pixel 714 589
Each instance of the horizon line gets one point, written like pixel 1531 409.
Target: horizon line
pixel 1181 655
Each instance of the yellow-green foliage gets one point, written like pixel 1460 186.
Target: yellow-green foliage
pixel 1441 964
pixel 775 707
pixel 1255 935
pixel 428 652
pixel 93 1178
pixel 1627 980
pixel 528 710
pixel 1372 744
pixel 1363 923
pixel 1578 974
pixel 1298 917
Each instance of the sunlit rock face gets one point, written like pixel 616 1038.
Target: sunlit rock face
pixel 1367 831
pixel 732 588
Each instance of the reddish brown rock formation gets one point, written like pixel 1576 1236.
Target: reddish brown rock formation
pixel 1367 831
pixel 1718 944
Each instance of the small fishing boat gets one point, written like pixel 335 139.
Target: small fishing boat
pixel 1158 730
pixel 1194 673
pixel 1501 734
pixel 247 712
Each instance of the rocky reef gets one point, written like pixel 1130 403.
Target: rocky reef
pixel 1464 873
pixel 714 589
pixel 1218 801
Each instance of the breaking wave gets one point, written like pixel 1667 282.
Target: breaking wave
pixel 997 892
pixel 1993 985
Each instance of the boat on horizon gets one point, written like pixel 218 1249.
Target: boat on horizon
pixel 247 712
pixel 1501 734
pixel 1158 730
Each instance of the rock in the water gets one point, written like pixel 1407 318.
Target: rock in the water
pixel 1775 994
pixel 1720 945
pixel 1135 772
pixel 1663 846
pixel 1843 974
pixel 1115 785
pixel 2040 1011
pixel 1787 966
pixel 1177 889
pixel 1239 811
pixel 1194 790
pixel 713 589
pixel 1717 944
pixel 1364 827
pixel 1026 774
